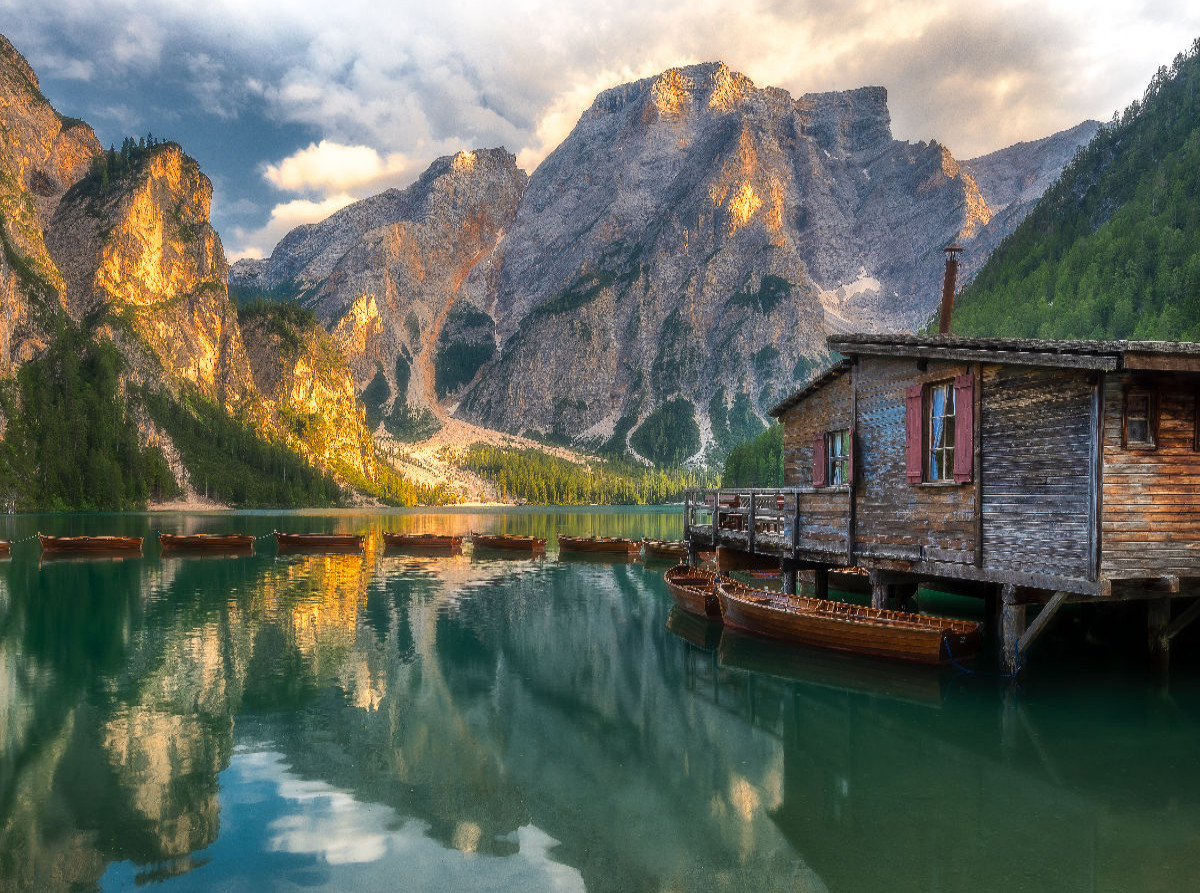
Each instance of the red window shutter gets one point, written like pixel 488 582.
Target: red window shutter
pixel 964 428
pixel 850 457
pixel 819 460
pixel 912 432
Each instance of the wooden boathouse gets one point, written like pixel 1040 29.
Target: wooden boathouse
pixel 1032 472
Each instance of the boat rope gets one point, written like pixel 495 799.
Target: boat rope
pixel 265 535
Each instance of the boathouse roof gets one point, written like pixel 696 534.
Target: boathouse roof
pixel 1108 356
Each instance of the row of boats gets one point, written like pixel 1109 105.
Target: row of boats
pixel 336 542
pixel 823 623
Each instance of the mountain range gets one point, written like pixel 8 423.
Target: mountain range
pixel 663 276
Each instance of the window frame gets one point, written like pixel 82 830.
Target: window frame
pixel 1151 397
pixel 835 461
pixel 928 451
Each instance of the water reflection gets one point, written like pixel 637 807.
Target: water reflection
pixel 463 722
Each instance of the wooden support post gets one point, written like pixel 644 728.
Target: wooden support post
pixel 1183 620
pixel 1012 627
pixel 1158 621
pixel 787 571
pixel 879 590
pixel 821 583
pixel 716 512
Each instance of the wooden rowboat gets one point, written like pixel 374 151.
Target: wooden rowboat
pixel 90 543
pixel 319 542
pixel 422 541
pixel 694 590
pixel 676 549
pixel 846 627
pixel 214 542
pixel 513 541
pixel 606 544
pixel 5 547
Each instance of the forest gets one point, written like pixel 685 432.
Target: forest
pixel 542 479
pixel 1112 250
pixel 757 462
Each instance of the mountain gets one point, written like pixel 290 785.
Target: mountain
pixel 131 372
pixel 384 273
pixel 1112 250
pixel 692 242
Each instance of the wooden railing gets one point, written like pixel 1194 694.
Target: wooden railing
pixel 781 521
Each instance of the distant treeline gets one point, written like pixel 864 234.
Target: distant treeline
pixel 757 462
pixel 113 164
pixel 542 479
pixel 1112 250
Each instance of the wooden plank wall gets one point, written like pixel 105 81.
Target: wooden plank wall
pixel 894 517
pixel 827 409
pixel 1037 470
pixel 1150 522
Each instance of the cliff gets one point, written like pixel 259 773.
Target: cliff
pixel 41 156
pixel 134 244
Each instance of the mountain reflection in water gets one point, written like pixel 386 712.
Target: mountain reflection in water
pixel 462 722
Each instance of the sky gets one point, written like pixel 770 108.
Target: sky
pixel 296 109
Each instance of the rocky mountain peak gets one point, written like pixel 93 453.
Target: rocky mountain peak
pixel 849 121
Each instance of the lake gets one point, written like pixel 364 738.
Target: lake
pixel 479 722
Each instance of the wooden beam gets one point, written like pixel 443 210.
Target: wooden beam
pixel 1015 357
pixel 855 464
pixel 978 447
pixel 1096 492
pixel 1183 620
pixel 1039 623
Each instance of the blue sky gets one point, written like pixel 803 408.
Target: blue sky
pixel 296 109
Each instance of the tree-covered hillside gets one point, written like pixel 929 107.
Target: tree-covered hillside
pixel 1112 250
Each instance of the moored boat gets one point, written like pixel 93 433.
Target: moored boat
pixel 608 545
pixel 90 543
pixel 438 541
pixel 676 549
pixel 513 541
pixel 215 542
pixel 847 627
pixel 5 547
pixel 319 542
pixel 694 590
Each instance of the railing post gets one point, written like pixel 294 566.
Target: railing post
pixel 753 499
pixel 715 512
pixel 795 523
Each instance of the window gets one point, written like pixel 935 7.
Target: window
pixel 939 432
pixel 837 457
pixel 1141 422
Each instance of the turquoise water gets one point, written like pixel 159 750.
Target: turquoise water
pixel 393 722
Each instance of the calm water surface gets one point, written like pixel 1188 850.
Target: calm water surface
pixel 494 723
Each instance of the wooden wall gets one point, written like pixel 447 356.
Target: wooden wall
pixel 895 518
pixel 827 409
pixel 1151 498
pixel 1037 470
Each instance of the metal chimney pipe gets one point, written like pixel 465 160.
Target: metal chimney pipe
pixel 948 289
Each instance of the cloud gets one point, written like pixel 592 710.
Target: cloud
pixel 284 218
pixel 404 82
pixel 328 167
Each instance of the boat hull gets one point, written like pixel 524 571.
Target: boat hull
pixel 608 545
pixel 319 542
pixel 694 590
pixel 90 543
pixel 424 541
pixel 513 542
pixel 844 627
pixel 206 542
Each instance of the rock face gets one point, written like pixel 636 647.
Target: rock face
pixel 384 273
pixel 41 156
pixel 143 249
pixel 697 236
pixel 306 380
